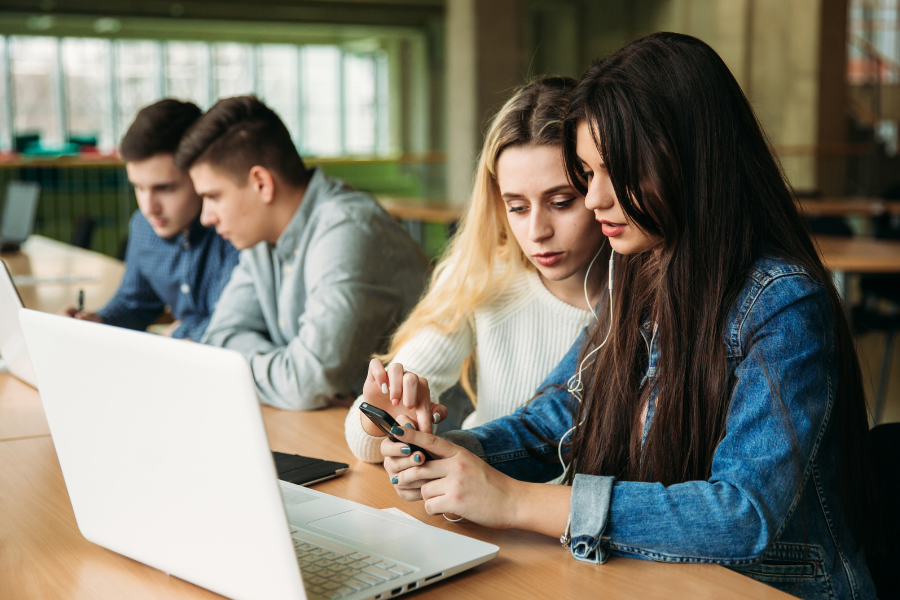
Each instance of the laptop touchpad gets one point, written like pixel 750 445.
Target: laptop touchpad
pixel 362 527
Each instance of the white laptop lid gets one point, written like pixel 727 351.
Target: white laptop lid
pixel 18 211
pixel 12 342
pixel 143 443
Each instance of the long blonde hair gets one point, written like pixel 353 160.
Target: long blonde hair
pixel 483 256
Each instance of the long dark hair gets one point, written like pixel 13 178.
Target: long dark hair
pixel 690 166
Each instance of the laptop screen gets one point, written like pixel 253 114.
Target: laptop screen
pixel 19 211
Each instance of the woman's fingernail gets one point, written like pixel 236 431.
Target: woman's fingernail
pixel 384 388
pixel 405 450
pixel 397 430
pixel 395 401
pixel 437 418
pixel 394 480
pixel 410 426
pixel 417 458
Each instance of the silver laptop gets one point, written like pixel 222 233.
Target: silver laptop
pixel 165 457
pixel 12 344
pixel 18 213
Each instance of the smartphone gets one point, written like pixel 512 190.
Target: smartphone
pixel 384 422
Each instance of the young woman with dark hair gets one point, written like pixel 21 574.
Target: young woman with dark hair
pixel 721 417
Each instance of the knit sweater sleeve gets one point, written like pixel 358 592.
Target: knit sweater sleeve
pixel 437 357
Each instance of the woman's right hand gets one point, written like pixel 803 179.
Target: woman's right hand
pixel 400 392
pixel 458 483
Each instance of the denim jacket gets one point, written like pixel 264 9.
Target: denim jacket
pixel 759 513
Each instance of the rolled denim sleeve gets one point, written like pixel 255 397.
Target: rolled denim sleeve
pixel 589 510
pixel 779 411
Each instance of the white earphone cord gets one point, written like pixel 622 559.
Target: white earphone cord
pixel 575 384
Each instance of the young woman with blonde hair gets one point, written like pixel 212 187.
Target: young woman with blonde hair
pixel 512 291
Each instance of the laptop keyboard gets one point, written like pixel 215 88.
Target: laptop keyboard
pixel 330 574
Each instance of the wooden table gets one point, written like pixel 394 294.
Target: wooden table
pixel 43 555
pixel 415 213
pixel 421 210
pixel 859 255
pixel 50 262
pixel 21 416
pixel 843 256
pixel 848 207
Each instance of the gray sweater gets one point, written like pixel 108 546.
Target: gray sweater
pixel 309 312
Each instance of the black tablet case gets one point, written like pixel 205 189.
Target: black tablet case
pixel 303 470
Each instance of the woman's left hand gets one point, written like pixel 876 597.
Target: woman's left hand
pixel 455 482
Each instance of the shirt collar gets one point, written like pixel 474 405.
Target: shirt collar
pixel 287 242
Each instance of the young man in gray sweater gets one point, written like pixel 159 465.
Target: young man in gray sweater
pixel 325 274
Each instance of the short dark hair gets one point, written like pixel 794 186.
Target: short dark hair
pixel 237 134
pixel 158 129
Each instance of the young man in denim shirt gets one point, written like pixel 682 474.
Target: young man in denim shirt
pixel 325 273
pixel 172 259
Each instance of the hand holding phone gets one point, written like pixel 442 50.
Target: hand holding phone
pixel 384 422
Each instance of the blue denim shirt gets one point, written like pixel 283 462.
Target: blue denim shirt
pixel 185 272
pixel 759 513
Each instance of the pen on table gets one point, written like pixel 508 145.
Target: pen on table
pixel 80 300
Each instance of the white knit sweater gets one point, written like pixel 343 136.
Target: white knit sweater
pixel 520 337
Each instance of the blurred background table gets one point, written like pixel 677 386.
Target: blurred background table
pixel 49 274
